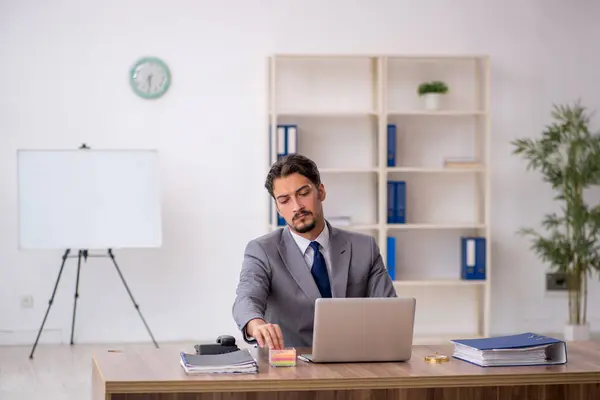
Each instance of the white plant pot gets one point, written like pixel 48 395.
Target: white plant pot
pixel 432 101
pixel 577 332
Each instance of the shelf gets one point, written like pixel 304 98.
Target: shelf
pixel 364 227
pixel 342 106
pixel 464 76
pixel 436 57
pixel 347 170
pixel 324 113
pixel 356 227
pixel 435 170
pixel 308 84
pixel 441 282
pixel 317 137
pixel 435 226
pixel 458 113
pixel 361 113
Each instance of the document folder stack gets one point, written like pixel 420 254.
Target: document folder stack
pixel 236 362
pixel 513 350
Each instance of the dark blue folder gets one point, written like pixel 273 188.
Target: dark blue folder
pixel 524 349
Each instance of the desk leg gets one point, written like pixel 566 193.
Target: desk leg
pixel 541 392
pixel 98 385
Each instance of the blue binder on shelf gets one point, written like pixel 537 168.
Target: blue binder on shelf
pixel 391 257
pixel 291 139
pixel 473 256
pixel 391 145
pixel 280 220
pixel 286 140
pixel 396 202
pixel 523 349
pixel 391 201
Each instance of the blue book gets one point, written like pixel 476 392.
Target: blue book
pixel 400 206
pixel 281 142
pixel 391 201
pixel 291 139
pixel 391 257
pixel 396 202
pixel 524 349
pixel 280 220
pixel 391 145
pixel 473 256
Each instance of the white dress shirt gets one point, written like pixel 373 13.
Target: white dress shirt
pixel 309 253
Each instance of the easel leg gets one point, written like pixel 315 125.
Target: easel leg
pixel 137 307
pixel 76 294
pixel 64 259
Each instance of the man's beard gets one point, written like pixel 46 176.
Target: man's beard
pixel 308 226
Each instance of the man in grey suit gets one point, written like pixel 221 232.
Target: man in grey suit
pixel 285 271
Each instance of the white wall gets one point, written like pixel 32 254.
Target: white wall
pixel 64 68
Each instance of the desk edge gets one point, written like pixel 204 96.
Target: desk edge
pixel 271 385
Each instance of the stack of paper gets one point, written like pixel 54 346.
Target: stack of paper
pixel 236 362
pixel 513 350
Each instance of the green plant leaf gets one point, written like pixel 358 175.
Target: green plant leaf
pixel 567 156
pixel 432 87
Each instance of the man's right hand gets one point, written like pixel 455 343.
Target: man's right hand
pixel 265 333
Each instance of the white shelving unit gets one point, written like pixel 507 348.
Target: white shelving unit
pixel 342 105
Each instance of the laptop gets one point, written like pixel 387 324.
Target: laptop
pixel 366 329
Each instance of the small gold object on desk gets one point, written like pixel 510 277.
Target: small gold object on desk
pixel 436 358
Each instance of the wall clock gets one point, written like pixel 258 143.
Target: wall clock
pixel 150 77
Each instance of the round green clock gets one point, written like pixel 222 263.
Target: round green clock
pixel 150 77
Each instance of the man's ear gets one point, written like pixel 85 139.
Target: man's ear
pixel 322 192
pixel 277 208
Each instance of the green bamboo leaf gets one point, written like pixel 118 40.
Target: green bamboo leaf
pixel 567 156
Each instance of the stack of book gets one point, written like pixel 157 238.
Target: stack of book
pixel 462 163
pixel 236 362
pixel 513 350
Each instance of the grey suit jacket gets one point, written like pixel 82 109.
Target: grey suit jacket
pixel 276 284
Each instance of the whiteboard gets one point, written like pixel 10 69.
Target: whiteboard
pixel 88 199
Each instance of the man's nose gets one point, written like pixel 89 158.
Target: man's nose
pixel 296 206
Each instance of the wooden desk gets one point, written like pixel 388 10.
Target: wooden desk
pixel 153 374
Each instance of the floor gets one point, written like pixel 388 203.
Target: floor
pixel 57 372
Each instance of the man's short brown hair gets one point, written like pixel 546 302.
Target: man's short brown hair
pixel 290 164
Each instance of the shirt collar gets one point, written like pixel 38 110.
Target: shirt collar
pixel 303 243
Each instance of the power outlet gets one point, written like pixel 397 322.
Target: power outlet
pixel 556 282
pixel 27 301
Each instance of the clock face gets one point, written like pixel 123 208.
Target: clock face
pixel 150 78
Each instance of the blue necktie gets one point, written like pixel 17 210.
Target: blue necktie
pixel 319 271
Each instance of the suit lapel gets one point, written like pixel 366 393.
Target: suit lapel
pixel 294 261
pixel 340 261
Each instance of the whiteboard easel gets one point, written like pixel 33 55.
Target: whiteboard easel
pixel 88 199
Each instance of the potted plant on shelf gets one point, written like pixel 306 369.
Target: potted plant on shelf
pixel 432 92
pixel 568 156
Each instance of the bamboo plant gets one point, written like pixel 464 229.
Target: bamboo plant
pixel 568 157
